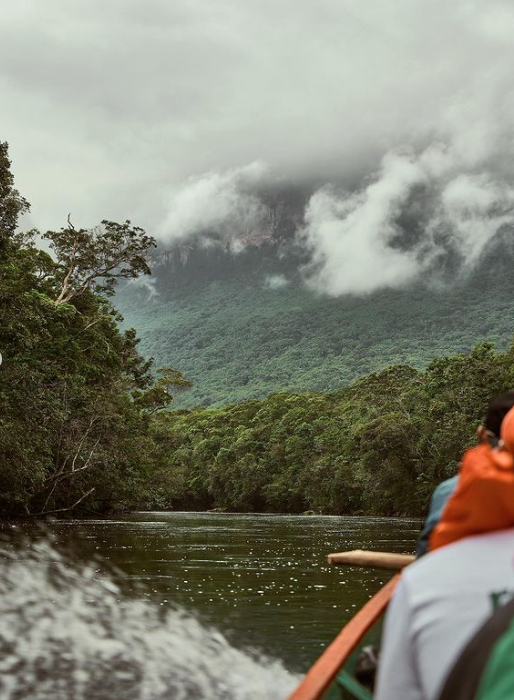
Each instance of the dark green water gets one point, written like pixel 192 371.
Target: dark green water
pixel 261 579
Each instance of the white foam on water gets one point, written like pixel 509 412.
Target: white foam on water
pixel 68 633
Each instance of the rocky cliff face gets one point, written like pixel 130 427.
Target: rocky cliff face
pixel 274 225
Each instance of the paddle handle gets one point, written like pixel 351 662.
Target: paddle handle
pixel 372 560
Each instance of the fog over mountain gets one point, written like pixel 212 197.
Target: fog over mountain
pixel 395 118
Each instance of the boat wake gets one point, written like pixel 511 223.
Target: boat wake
pixel 68 633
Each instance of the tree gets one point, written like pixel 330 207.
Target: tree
pixel 96 258
pixel 12 204
pixel 72 437
pixel 160 394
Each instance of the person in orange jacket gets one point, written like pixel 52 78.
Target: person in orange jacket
pixel 483 500
pixel 488 432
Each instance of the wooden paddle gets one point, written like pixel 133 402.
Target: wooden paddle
pixel 371 560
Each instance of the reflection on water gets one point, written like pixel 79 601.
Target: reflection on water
pixel 260 579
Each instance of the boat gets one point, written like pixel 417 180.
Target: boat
pixel 333 675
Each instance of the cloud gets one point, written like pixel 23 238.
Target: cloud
pixel 149 284
pixel 350 236
pixel 275 282
pixel 417 211
pixel 216 203
pixel 397 115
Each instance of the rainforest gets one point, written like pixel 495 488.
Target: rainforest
pixel 265 397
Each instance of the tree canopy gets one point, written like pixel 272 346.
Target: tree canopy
pixel 378 447
pixel 97 258
pixel 73 432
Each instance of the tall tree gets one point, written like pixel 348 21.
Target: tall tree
pixel 12 204
pixel 97 258
pixel 72 434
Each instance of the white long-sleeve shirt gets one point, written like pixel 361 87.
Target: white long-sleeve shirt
pixel 442 599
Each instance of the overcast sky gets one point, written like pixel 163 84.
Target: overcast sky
pixel 113 108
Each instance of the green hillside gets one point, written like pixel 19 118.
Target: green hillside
pixel 217 321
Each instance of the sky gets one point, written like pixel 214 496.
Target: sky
pixel 173 113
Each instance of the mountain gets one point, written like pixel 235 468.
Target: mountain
pixel 244 325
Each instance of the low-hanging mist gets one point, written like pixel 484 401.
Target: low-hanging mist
pixel 433 191
pixel 412 217
pixel 416 215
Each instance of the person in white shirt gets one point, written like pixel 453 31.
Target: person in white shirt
pixel 441 601
pixel 444 598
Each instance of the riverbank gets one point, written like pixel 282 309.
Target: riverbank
pixel 128 514
pixel 378 447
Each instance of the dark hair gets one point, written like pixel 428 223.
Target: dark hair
pixel 498 409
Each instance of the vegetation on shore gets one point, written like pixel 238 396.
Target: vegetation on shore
pixel 377 447
pixel 76 398
pixel 84 426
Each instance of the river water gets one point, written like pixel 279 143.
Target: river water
pixel 260 580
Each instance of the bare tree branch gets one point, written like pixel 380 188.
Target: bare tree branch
pixel 62 510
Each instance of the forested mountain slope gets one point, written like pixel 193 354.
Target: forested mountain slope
pixel 244 326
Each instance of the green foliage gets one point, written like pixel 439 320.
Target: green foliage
pixel 235 339
pixel 96 259
pixel 161 393
pixel 71 434
pixel 378 447
pixel 12 204
pixel 81 419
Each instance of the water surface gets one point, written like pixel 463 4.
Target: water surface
pixel 260 579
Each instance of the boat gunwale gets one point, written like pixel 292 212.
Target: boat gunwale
pixel 323 672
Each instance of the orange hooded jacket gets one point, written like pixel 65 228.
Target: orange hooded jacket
pixel 484 498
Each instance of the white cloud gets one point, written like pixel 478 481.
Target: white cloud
pixel 350 236
pixel 149 111
pixel 476 208
pixel 146 283
pixel 359 242
pixel 215 202
pixel 275 282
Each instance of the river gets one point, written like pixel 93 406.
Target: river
pixel 260 580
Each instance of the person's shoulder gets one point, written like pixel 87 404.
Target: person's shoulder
pixel 476 455
pixel 445 488
pixel 475 548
